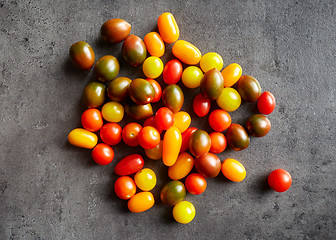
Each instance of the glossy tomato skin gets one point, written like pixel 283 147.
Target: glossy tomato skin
pixel 141 91
pixel 186 52
pixel 172 71
pixel 231 74
pixel 139 112
pixel 145 179
pixel 192 76
pixel 199 143
pixel 229 100
pixel 186 137
pixel 152 67
pixel 82 55
pixel 212 84
pixel 134 50
pixel 237 137
pixel 118 89
pixel 141 202
pixel 211 60
pixel 280 180
pixel 102 154
pixel 107 68
pixel 219 120
pixel 155 153
pixel 110 133
pixel 125 187
pixel 184 212
pixel 182 166
pixel 92 119
pixel 152 122
pixel 157 89
pixel 249 88
pixel 130 133
pixel 208 166
pixel 154 44
pixel 129 165
pixel 168 27
pixel 115 30
pixel 182 120
pixel 83 138
pixel 172 142
pixel 201 105
pixel 266 103
pixel 233 170
pixel 258 125
pixel 218 142
pixel 173 192
pixel 195 184
pixel 173 97
pixel 164 118
pixel 94 94
pixel 148 137
pixel 113 111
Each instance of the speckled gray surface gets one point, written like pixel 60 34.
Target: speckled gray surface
pixel 52 190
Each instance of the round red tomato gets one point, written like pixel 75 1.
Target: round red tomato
pixel 201 105
pixel 219 120
pixel 92 119
pixel 218 142
pixel 266 103
pixel 130 134
pixel 208 166
pixel 148 137
pixel 110 133
pixel 280 180
pixel 151 122
pixel 102 154
pixel 125 187
pixel 172 72
pixel 185 138
pixel 164 118
pixel 195 183
pixel 157 89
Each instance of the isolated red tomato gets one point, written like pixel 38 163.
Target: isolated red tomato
pixel 195 183
pixel 130 133
pixel 148 137
pixel 157 89
pixel 129 165
pixel 201 105
pixel 219 120
pixel 218 142
pixel 125 187
pixel 164 118
pixel 102 154
pixel 185 138
pixel 151 122
pixel 266 103
pixel 280 180
pixel 92 119
pixel 172 72
pixel 110 133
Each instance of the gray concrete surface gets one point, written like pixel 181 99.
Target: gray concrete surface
pixel 52 190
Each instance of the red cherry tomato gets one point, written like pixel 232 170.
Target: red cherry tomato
pixel 195 183
pixel 151 122
pixel 129 165
pixel 110 133
pixel 280 180
pixel 92 120
pixel 157 89
pixel 219 120
pixel 130 134
pixel 185 138
pixel 266 103
pixel 218 142
pixel 201 105
pixel 125 187
pixel 148 137
pixel 164 118
pixel 172 72
pixel 102 154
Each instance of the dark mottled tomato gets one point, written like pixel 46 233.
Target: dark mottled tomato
pixel 173 192
pixel 107 68
pixel 115 30
pixel 212 84
pixel 141 91
pixel 186 137
pixel 139 112
pixel 94 94
pixel 157 89
pixel 249 88
pixel 134 50
pixel 201 105
pixel 129 165
pixel 258 125
pixel 199 143
pixel 237 137
pixel 82 55
pixel 173 97
pixel 208 166
pixel 118 89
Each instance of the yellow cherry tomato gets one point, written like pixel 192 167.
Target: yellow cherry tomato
pixel 233 170
pixel 172 142
pixel 154 44
pixel 141 202
pixel 231 74
pixel 152 67
pixel 182 120
pixel 184 212
pixel 182 166
pixel 113 112
pixel 168 28
pixel 192 76
pixel 145 179
pixel 156 152
pixel 229 100
pixel 186 52
pixel 211 60
pixel 83 138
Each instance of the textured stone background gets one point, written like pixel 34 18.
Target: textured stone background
pixel 52 190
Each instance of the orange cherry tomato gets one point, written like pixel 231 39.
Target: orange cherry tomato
pixel 231 74
pixel 195 183
pixel 125 187
pixel 154 44
pixel 182 120
pixel 172 142
pixel 92 119
pixel 219 120
pixel 218 142
pixel 186 52
pixel 141 202
pixel 110 133
pixel 182 166
pixel 168 28
pixel 130 133
pixel 102 154
pixel 148 137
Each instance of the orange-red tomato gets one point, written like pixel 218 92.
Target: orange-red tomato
pixel 154 44
pixel 148 137
pixel 141 202
pixel 280 180
pixel 130 133
pixel 157 89
pixel 102 154
pixel 125 187
pixel 195 184
pixel 168 28
pixel 110 133
pixel 186 52
pixel 152 122
pixel 218 142
pixel 186 137
pixel 92 119
pixel 219 120
pixel 164 118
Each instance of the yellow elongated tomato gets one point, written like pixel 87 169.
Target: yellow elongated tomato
pixel 80 137
pixel 172 142
pixel 229 100
pixel 192 76
pixel 141 202
pixel 182 166
pixel 145 179
pixel 152 67
pixel 231 74
pixel 184 212
pixel 154 44
pixel 182 120
pixel 211 60
pixel 233 170
pixel 113 112
pixel 186 52
pixel 168 28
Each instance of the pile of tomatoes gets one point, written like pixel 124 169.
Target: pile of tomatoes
pixel 182 147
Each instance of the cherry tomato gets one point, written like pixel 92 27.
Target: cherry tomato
pixel 102 154
pixel 92 119
pixel 211 60
pixel 110 133
pixel 199 143
pixel 145 179
pixel 141 202
pixel 155 153
pixel 113 111
pixel 130 133
pixel 219 120
pixel 266 103
pixel 82 138
pixel 154 44
pixel 115 30
pixel 129 165
pixel 182 166
pixel 172 72
pixel 152 67
pixel 201 105
pixel 249 88
pixel 172 142
pixel 152 122
pixel 168 27
pixel 280 180
pixel 231 74
pixel 139 112
pixel 117 90
pixel 186 137
pixel 134 50
pixel 173 97
pixel 106 68
pixel 218 142
pixel 233 170
pixel 208 166
pixel 148 137
pixel 212 84
pixel 173 192
pixel 182 120
pixel 237 137
pixel 186 52
pixel 157 89
pixel 195 183
pixel 141 91
pixel 192 76
pixel 82 55
pixel 164 118
pixel 258 125
pixel 125 187
pixel 229 100
pixel 94 94
pixel 184 212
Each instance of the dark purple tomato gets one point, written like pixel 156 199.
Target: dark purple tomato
pixel 115 30
pixel 173 97
pixel 139 112
pixel 199 143
pixel 258 125
pixel 249 88
pixel 173 192
pixel 82 55
pixel 134 50
pixel 107 68
pixel 212 84
pixel 141 91
pixel 172 71
pixel 208 166
pixel 94 94
pixel 186 137
pixel 201 105
pixel 118 89
pixel 237 137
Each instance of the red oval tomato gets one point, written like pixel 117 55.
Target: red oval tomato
pixel 266 103
pixel 208 166
pixel 102 154
pixel 157 89
pixel 151 122
pixel 185 138
pixel 195 183
pixel 148 137
pixel 164 118
pixel 201 105
pixel 172 72
pixel 92 119
pixel 130 134
pixel 125 187
pixel 129 165
pixel 110 133
pixel 218 142
pixel 280 180
pixel 219 120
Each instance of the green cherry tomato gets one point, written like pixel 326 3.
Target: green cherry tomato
pixel 229 100
pixel 258 125
pixel 107 68
pixel 82 55
pixel 192 76
pixel 115 30
pixel 173 97
pixel 211 60
pixel 118 89
pixel 212 84
pixel 139 112
pixel 113 112
pixel 134 50
pixel 145 179
pixel 184 212
pixel 237 137
pixel 248 88
pixel 173 192
pixel 152 67
pixel 94 94
pixel 141 91
pixel 199 143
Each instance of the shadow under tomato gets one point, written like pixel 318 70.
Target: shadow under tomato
pixel 261 185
